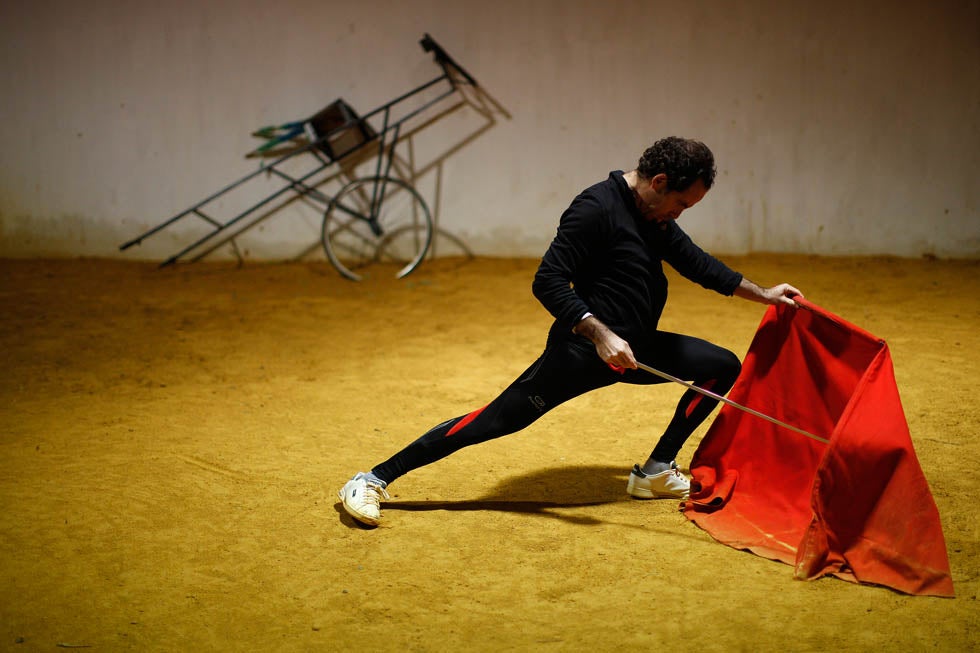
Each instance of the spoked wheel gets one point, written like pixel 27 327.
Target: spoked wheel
pixel 400 235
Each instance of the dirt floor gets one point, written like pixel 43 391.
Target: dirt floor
pixel 171 444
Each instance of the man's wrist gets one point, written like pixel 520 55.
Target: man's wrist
pixel 586 326
pixel 748 289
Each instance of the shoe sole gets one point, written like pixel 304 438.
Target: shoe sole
pixel 359 516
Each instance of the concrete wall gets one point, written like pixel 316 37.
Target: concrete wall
pixel 839 127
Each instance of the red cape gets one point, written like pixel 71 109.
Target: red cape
pixel 857 507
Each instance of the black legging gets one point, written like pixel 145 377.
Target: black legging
pixel 567 369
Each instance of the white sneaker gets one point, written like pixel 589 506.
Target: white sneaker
pixel 670 484
pixel 361 498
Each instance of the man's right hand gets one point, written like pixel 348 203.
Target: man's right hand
pixel 612 349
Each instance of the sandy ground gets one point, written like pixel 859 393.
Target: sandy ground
pixel 171 443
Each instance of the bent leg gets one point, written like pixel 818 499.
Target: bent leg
pixel 565 370
pixel 706 365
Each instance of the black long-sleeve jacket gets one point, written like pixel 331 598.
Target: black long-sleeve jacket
pixel 608 260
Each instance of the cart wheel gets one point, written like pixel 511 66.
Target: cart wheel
pixel 404 227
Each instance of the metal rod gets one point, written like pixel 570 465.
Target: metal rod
pixel 173 259
pixel 192 209
pixel 405 96
pixel 718 397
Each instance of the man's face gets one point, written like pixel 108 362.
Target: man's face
pixel 661 205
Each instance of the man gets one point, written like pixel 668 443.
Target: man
pixel 602 279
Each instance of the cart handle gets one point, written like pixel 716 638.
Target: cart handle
pixel 442 57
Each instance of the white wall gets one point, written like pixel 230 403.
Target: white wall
pixel 839 127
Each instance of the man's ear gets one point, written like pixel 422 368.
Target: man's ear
pixel 659 182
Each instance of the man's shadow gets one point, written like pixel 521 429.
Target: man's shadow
pixel 543 492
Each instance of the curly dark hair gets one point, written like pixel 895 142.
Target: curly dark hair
pixel 683 161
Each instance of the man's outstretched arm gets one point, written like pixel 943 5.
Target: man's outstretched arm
pixel 781 294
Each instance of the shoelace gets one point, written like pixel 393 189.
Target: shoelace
pixel 678 475
pixel 371 492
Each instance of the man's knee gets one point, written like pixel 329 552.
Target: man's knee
pixel 730 367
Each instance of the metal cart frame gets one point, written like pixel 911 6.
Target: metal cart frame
pixel 378 218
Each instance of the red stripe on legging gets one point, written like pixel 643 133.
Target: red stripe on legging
pixel 466 420
pixel 694 402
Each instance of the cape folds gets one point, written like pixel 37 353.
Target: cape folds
pixel 858 507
